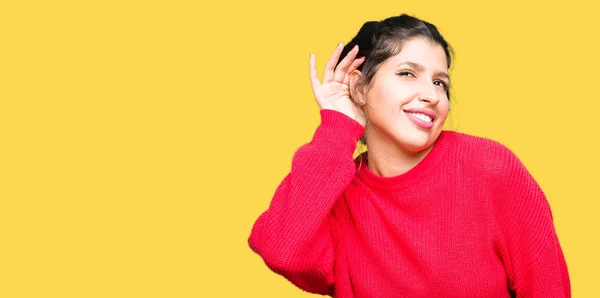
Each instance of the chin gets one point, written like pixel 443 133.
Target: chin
pixel 417 141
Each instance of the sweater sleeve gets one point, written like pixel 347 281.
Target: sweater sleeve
pixel 293 236
pixel 530 248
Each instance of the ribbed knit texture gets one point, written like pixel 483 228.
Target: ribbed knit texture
pixel 467 221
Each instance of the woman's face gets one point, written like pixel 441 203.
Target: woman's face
pixel 407 104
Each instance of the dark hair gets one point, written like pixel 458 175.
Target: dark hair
pixel 380 40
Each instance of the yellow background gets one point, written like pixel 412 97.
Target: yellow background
pixel 141 139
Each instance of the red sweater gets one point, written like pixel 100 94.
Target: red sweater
pixel 467 221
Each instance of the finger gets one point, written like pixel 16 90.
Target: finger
pixel 355 64
pixel 314 79
pixel 340 71
pixel 329 68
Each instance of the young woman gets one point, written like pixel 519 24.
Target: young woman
pixel 424 212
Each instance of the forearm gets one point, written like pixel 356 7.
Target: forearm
pixel 293 236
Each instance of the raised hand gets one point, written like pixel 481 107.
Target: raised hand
pixel 334 92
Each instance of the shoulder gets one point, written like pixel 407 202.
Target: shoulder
pixel 481 152
pixel 498 168
pixel 476 146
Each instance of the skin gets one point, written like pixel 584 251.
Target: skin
pixel 395 143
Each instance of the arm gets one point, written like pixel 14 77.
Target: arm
pixel 531 251
pixel 547 276
pixel 293 236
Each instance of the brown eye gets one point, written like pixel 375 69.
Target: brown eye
pixel 443 84
pixel 405 73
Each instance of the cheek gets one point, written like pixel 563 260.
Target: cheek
pixel 392 98
pixel 443 110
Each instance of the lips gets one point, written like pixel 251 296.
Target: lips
pixel 431 114
pixel 421 117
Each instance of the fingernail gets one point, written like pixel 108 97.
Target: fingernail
pixel 340 44
pixel 361 57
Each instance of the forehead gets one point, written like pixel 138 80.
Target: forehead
pixel 423 52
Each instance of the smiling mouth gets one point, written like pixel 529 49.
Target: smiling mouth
pixel 420 116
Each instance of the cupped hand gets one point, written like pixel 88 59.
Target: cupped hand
pixel 334 92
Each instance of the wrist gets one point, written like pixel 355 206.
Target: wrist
pixel 339 129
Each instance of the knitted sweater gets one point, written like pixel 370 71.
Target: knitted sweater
pixel 467 221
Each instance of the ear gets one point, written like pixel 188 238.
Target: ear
pixel 355 92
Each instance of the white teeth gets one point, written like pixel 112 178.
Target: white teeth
pixel 422 117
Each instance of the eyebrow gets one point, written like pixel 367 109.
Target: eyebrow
pixel 420 67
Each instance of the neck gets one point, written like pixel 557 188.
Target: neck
pixel 388 159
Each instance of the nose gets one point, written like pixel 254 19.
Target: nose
pixel 428 94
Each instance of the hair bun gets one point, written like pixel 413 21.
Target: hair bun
pixel 367 31
pixel 364 40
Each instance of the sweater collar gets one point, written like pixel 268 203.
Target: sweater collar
pixel 432 160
